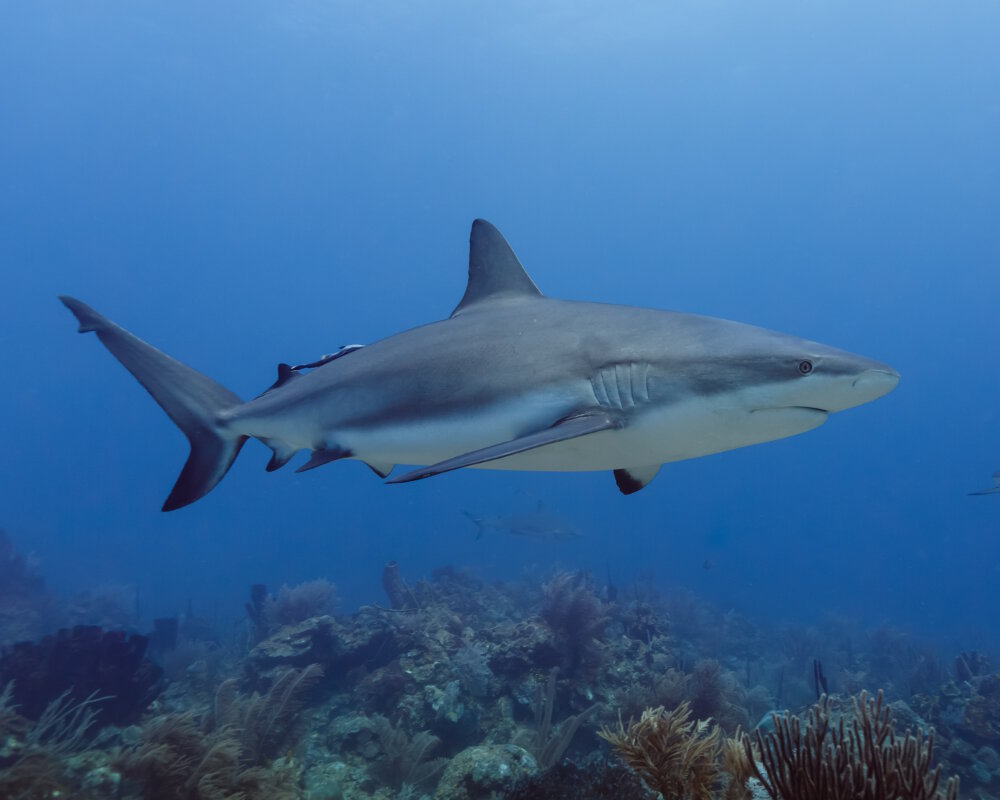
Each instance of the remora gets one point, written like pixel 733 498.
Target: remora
pixel 513 380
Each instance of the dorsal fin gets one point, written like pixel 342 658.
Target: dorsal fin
pixel 494 270
pixel 286 373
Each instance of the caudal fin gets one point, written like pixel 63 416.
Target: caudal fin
pixel 479 522
pixel 192 400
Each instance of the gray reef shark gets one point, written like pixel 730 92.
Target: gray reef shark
pixel 512 380
pixel 993 489
pixel 539 524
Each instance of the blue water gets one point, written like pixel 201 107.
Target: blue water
pixel 243 184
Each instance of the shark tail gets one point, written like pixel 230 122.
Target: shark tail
pixel 480 524
pixel 192 400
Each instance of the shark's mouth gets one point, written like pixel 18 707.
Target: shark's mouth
pixel 789 408
pixel 780 421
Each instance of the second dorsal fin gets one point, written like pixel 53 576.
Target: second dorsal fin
pixel 494 270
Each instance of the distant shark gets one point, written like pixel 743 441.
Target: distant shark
pixel 512 380
pixel 992 489
pixel 540 524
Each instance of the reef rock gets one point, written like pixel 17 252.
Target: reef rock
pixel 522 648
pixel 339 648
pixel 481 772
pixel 310 642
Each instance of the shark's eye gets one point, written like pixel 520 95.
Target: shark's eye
pixel 805 366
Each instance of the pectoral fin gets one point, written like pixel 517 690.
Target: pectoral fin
pixel 569 428
pixel 633 479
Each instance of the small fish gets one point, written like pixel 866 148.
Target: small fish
pixel 995 489
pixel 328 357
pixel 538 525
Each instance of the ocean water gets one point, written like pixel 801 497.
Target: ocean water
pixel 244 184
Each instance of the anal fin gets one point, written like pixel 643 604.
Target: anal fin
pixel 568 428
pixel 633 479
pixel 282 454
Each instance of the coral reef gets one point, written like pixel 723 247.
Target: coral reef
pixel 469 690
pixel 966 717
pixel 860 759
pixel 481 772
pixel 177 758
pixel 568 781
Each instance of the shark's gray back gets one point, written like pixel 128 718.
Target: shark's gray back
pixel 491 353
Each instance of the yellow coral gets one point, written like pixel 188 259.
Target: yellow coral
pixel 673 754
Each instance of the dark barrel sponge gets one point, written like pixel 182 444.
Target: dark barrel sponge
pixel 84 660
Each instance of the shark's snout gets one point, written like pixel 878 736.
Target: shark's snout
pixel 877 382
pixel 838 381
pixel 870 383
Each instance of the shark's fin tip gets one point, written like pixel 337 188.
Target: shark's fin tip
pixel 210 459
pixel 280 456
pixel 88 319
pixel 632 479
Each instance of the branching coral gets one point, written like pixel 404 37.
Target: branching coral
pixel 33 760
pixel 10 721
pixel 405 759
pixel 177 759
pixel 673 754
pixel 227 755
pixel 264 721
pixel 471 666
pixel 545 743
pixel 735 765
pixel 297 603
pixel 862 760
pixel 577 618
pixel 713 693
pixel 293 604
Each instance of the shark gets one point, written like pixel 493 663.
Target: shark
pixel 511 380
pixel 539 524
pixel 992 489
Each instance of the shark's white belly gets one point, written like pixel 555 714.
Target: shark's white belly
pixel 659 437
pixel 651 435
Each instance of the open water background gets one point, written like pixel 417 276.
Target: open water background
pixel 247 183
